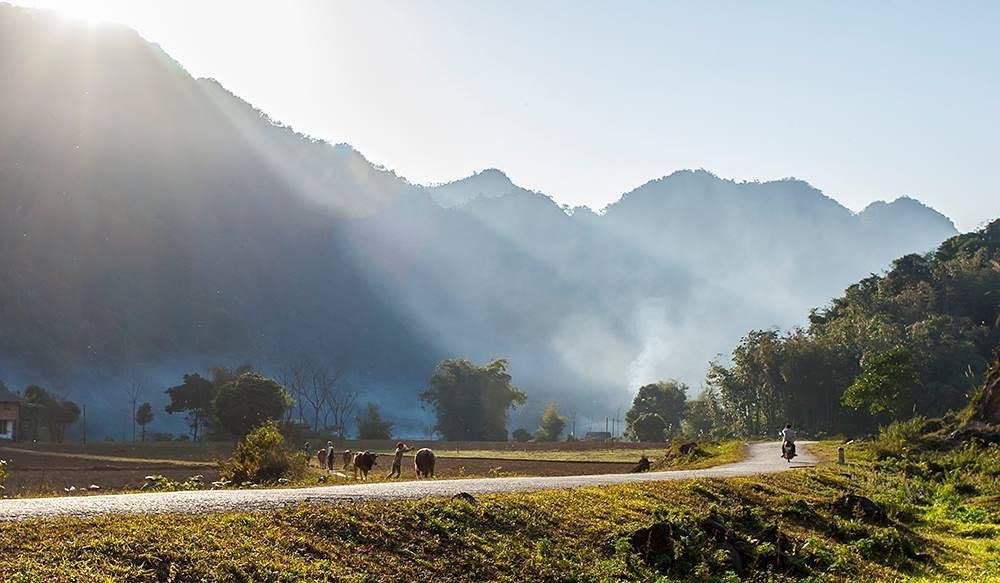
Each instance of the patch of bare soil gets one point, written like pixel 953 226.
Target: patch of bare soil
pixel 41 474
pixel 459 467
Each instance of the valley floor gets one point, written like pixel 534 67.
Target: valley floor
pixel 940 522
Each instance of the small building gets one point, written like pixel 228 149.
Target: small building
pixel 10 411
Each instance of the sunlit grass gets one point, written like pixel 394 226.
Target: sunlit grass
pixel 551 535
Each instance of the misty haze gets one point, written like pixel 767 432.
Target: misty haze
pixel 559 291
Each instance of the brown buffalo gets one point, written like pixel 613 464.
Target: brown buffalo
pixel 321 457
pixel 364 461
pixel 347 456
pixel 423 462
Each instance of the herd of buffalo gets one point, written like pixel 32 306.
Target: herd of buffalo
pixel 364 461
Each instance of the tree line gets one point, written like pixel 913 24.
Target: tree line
pixel 915 340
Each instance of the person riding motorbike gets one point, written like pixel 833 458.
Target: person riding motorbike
pixel 787 442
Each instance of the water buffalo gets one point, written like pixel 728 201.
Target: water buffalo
pixel 364 461
pixel 423 462
pixel 321 457
pixel 642 466
pixel 348 456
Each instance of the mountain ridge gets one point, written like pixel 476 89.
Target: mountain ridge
pixel 156 221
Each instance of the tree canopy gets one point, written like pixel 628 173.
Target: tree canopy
pixel 471 401
pixel 194 398
pixel 665 399
pixel 885 384
pixel 247 401
pixel 144 416
pixel 552 424
pixel 649 427
pixel 372 426
pixel 40 409
pixel 917 338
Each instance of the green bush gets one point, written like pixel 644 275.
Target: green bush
pixel 899 436
pixel 262 457
pixel 949 505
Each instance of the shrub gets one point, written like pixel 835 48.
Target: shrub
pixel 521 434
pixel 3 474
pixel 897 437
pixel 263 458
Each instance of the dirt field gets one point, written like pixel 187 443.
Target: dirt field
pixel 40 474
pixel 46 469
pixel 462 467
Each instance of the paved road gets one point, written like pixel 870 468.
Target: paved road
pixel 761 458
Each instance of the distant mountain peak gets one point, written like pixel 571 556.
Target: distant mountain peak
pixel 488 183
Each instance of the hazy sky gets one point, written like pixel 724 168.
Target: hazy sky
pixel 587 100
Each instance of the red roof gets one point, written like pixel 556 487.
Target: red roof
pixel 8 397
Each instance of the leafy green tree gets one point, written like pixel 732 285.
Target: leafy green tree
pixel 144 416
pixel 666 399
pixel 702 415
pixel 649 427
pixel 470 401
pixel 885 383
pixel 194 398
pixel 552 424
pixel 248 400
pixel 372 426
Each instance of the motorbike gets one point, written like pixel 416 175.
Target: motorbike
pixel 788 451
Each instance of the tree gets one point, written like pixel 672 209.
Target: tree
pixel 470 401
pixel 666 399
pixel 194 397
pixel 144 416
pixel 372 426
pixel 62 414
pixel 649 427
pixel 132 385
pixel 41 409
pixel 35 407
pixel 702 415
pixel 342 404
pixel 248 400
pixel 552 424
pixel 885 383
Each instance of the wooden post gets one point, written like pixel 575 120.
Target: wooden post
pixel 840 455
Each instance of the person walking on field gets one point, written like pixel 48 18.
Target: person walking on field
pixel 329 455
pixel 397 459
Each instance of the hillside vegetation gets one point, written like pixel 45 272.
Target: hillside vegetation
pixel 913 341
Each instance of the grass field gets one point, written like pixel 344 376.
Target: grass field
pixel 778 527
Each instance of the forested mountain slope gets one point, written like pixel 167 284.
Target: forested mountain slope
pixel 152 220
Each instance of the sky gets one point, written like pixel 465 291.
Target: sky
pixel 585 101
